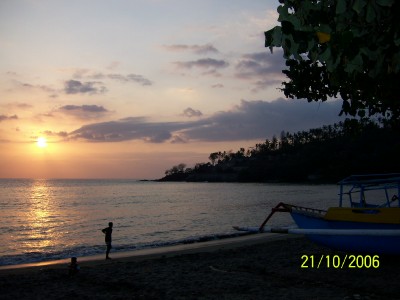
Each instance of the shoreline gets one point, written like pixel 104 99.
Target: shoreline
pixel 156 252
pixel 260 266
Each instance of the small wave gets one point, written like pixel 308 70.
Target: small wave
pixel 81 251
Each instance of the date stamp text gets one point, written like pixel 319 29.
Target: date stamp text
pixel 339 261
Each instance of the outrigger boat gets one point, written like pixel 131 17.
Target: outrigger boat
pixel 362 226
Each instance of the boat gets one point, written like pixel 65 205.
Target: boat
pixel 366 220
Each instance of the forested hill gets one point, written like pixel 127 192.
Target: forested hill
pixel 324 154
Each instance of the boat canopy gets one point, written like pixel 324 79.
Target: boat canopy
pixel 360 184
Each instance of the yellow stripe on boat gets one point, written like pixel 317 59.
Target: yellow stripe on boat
pixel 385 215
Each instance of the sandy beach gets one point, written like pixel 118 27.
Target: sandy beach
pixel 262 266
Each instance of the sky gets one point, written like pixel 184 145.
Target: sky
pixel 129 88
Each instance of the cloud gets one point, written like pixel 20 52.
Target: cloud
pixel 135 128
pixel 250 120
pixel 263 69
pixel 62 134
pixel 78 87
pixel 88 74
pixel 139 79
pixel 204 63
pixel 260 119
pixel 209 65
pixel 197 49
pixel 7 118
pixel 18 105
pixel 190 112
pixel 176 139
pixel 123 78
pixel 84 111
pixel 113 65
pixel 23 105
pixel 42 87
pixel 87 108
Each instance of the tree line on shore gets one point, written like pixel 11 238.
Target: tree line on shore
pixel 324 154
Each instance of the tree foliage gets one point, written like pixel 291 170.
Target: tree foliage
pixel 342 48
pixel 176 169
pixel 328 153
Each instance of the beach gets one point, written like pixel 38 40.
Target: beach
pixel 261 266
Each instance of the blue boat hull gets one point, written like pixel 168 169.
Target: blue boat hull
pixel 353 244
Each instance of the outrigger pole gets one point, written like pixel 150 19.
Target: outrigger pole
pixel 342 232
pixel 281 207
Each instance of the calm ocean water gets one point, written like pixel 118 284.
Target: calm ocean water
pixel 54 219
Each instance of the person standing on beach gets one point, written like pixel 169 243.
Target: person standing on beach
pixel 108 231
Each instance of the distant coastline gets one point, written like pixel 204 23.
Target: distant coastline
pixel 321 155
pixel 235 178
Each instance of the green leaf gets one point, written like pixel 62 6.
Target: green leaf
pixel 370 13
pixel 372 55
pixel 313 55
pixel 335 64
pixel 359 5
pixel 307 5
pixel 345 39
pixel 311 44
pixel 396 63
pixel 361 113
pixel 324 28
pixel 355 65
pixel 283 13
pixel 273 37
pixel 358 62
pixel 291 46
pixel 341 6
pixel 277 35
pixel 385 2
pixel 378 68
pixel 325 55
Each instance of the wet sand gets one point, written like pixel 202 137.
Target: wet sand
pixel 261 266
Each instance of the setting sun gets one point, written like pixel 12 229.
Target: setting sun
pixel 41 142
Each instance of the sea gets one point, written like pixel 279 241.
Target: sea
pixel 50 219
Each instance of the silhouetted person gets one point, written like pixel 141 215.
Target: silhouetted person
pixel 73 268
pixel 108 231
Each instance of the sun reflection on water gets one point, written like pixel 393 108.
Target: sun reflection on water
pixel 40 212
